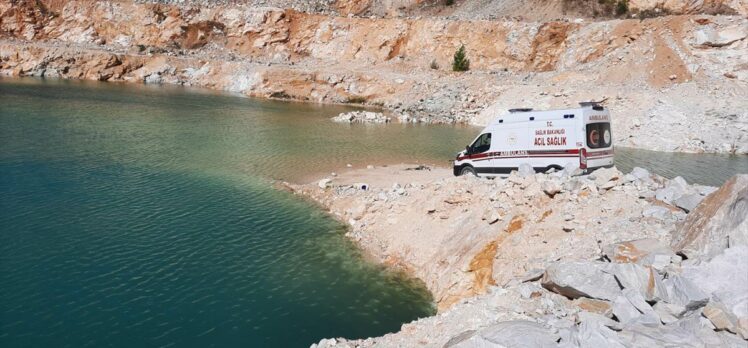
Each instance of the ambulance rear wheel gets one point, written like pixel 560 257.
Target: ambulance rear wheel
pixel 468 171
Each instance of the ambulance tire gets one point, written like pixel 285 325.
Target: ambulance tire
pixel 468 170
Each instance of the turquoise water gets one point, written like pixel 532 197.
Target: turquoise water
pixel 139 216
pixel 145 216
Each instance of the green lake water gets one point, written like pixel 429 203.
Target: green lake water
pixel 145 216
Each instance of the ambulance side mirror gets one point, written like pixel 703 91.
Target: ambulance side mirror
pixel 467 149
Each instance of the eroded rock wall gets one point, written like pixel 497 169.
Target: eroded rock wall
pixel 670 81
pixel 287 36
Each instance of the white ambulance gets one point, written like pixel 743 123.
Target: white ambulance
pixel 543 139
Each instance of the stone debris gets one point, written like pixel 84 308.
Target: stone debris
pixel 708 36
pixel 551 188
pixel 631 290
pixel 683 292
pixel 644 280
pixel 324 183
pixel 606 178
pixel 673 190
pixel 721 317
pixel 624 310
pixel 525 170
pixel 688 202
pixel 581 279
pixel 645 252
pixel 601 307
pixel 361 117
pixel 508 334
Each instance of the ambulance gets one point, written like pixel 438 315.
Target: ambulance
pixel 555 139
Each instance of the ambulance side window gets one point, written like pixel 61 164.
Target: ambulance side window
pixel 482 144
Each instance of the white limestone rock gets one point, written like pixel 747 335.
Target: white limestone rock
pixel 525 170
pixel 673 190
pixel 688 202
pixel 324 183
pixel 517 333
pixel 719 222
pixel 606 178
pixel 581 279
pixel 684 292
pixel 644 280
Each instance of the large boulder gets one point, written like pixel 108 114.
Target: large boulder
pixel 725 279
pixel 516 333
pixel 606 178
pixel 708 36
pixel 581 279
pixel 717 223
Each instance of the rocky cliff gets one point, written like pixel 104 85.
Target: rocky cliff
pixel 671 81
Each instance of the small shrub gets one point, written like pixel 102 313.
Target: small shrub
pixel 652 13
pixel 461 62
pixel 450 2
pixel 434 65
pixel 622 7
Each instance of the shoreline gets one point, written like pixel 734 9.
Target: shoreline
pixel 489 258
pixel 651 73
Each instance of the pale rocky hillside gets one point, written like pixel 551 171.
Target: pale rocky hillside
pixel 673 83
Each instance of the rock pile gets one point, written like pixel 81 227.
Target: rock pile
pixel 361 117
pixel 577 260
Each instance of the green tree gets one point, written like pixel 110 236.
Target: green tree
pixel 461 62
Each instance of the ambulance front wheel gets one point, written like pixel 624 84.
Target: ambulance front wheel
pixel 467 170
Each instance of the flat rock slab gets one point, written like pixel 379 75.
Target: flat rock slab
pixel 581 279
pixel 516 333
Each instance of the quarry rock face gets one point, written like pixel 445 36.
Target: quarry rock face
pixel 650 73
pixel 717 223
pixel 532 260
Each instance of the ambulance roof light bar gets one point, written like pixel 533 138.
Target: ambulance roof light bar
pixel 520 110
pixel 593 104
